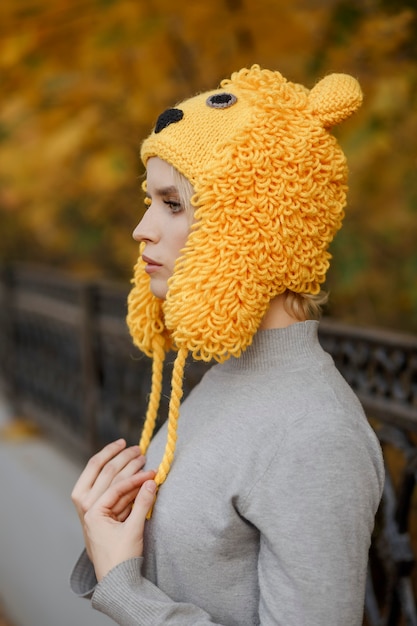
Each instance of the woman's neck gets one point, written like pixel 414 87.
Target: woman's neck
pixel 277 315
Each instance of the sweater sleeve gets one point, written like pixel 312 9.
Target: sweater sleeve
pixel 131 600
pixel 314 507
pixel 83 578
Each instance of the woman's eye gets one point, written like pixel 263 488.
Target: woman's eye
pixel 174 206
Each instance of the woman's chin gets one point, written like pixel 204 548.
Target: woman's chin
pixel 159 288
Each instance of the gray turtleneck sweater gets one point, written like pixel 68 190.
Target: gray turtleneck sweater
pixel 267 513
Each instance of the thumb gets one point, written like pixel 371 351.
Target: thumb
pixel 143 504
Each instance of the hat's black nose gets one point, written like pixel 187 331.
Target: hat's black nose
pixel 170 116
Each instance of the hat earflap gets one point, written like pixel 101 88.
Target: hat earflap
pixel 145 317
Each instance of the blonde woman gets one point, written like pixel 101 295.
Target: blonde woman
pixel 257 501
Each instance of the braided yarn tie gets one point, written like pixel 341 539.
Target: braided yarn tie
pixel 173 415
pixel 155 396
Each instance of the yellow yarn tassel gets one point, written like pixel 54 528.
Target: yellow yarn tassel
pixel 155 395
pixel 173 415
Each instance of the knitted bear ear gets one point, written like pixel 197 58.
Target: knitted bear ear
pixel 335 98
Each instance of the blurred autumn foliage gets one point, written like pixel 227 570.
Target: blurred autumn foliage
pixel 84 80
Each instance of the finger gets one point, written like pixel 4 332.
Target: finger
pixel 100 472
pixel 122 517
pixel 143 503
pixel 96 463
pixel 124 504
pixel 113 467
pixel 119 495
pixel 123 507
pixel 132 467
pixel 107 505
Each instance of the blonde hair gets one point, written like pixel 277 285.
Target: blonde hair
pixel 185 192
pixel 305 306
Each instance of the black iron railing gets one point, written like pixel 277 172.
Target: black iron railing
pixel 68 362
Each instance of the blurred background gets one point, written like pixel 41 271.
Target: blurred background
pixel 82 84
pixel 83 81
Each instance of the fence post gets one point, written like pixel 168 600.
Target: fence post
pixel 7 332
pixel 89 360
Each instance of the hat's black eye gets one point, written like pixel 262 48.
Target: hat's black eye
pixel 221 100
pixel 170 116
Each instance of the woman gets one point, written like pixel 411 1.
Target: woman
pixel 273 475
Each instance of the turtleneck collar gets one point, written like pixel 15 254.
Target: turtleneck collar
pixel 292 344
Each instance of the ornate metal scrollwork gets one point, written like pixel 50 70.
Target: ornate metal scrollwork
pixel 382 368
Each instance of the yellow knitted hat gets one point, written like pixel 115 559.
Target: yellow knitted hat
pixel 270 190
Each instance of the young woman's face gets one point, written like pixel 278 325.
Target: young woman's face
pixel 164 227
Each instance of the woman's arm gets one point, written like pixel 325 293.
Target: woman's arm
pixel 314 507
pixel 117 587
pixel 109 570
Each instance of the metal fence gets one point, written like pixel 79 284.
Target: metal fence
pixel 68 362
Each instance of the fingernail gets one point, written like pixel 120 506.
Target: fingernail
pixel 151 486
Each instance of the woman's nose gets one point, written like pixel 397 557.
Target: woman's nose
pixel 137 233
pixel 145 230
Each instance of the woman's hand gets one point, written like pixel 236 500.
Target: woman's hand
pixel 114 463
pixel 112 538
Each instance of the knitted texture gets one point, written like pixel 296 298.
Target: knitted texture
pixel 270 189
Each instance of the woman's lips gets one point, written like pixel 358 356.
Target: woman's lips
pixel 151 265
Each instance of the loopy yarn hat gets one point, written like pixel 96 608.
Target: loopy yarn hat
pixel 270 190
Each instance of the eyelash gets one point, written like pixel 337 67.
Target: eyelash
pixel 175 207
